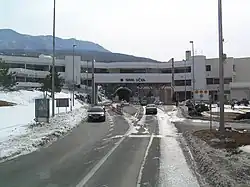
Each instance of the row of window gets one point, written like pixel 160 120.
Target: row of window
pixel 36 67
pixel 217 81
pixel 124 70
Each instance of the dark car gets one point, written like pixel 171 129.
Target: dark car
pixel 143 102
pixel 151 109
pixel 96 113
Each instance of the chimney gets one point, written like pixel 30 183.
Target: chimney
pixel 188 55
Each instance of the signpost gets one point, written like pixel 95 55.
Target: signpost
pixel 210 116
pixel 62 102
pixel 201 95
pixel 42 111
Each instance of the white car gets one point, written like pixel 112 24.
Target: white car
pixel 151 109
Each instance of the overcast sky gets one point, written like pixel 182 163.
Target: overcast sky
pixel 160 29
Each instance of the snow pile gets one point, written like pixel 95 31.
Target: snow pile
pixel 23 112
pixel 205 165
pixel 174 168
pixel 16 136
pixel 27 139
pixel 137 126
pixel 227 108
pixel 132 120
pixel 245 148
pixel 174 117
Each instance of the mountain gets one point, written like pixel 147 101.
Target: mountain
pixel 14 43
pixel 10 39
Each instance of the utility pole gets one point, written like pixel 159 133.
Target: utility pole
pixel 185 65
pixel 221 68
pixel 87 82
pixel 192 42
pixel 93 82
pixel 53 62
pixel 74 74
pixel 172 61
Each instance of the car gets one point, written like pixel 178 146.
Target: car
pixel 96 113
pixel 143 102
pixel 151 109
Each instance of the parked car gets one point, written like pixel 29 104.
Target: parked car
pixel 96 113
pixel 144 102
pixel 151 109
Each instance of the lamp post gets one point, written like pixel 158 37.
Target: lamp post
pixel 221 68
pixel 185 65
pixel 53 62
pixel 93 83
pixel 172 82
pixel 73 75
pixel 87 82
pixel 192 42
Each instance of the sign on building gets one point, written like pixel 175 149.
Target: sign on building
pixel 42 111
pixel 62 102
pixel 201 95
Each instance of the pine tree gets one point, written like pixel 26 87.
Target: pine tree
pixel 47 83
pixel 7 78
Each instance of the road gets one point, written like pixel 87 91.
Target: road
pixel 108 154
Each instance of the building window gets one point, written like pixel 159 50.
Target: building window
pixel 227 80
pixel 208 67
pixel 216 81
pixel 210 81
pixel 234 68
pixel 59 68
pixel 182 83
pixel 20 79
pixel 15 65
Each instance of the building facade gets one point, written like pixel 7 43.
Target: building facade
pixel 29 71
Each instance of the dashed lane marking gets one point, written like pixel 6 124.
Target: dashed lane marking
pixel 144 160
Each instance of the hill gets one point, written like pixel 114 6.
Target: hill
pixel 14 43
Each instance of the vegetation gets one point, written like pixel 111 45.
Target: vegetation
pixel 47 83
pixel 7 78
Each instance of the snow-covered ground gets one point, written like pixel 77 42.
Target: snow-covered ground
pixel 17 134
pixel 175 171
pixel 227 108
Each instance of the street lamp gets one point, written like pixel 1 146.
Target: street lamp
pixel 87 82
pixel 53 62
pixel 192 42
pixel 185 65
pixel 74 74
pixel 221 68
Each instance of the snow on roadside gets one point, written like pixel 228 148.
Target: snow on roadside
pixel 16 135
pixel 174 168
pixel 245 148
pixel 23 113
pixel 24 140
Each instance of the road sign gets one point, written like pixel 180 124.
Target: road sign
pixel 202 95
pixel 42 111
pixel 62 102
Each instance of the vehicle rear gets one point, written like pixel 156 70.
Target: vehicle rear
pixel 96 113
pixel 151 109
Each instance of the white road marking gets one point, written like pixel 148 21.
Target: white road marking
pixel 101 162
pixel 110 134
pixel 98 148
pixel 111 129
pixel 144 136
pixel 144 160
pixel 98 165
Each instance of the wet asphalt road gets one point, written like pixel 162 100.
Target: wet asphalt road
pixel 92 155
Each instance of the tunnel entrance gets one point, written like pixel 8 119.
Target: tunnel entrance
pixel 124 93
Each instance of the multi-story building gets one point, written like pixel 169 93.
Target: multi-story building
pixel 30 70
